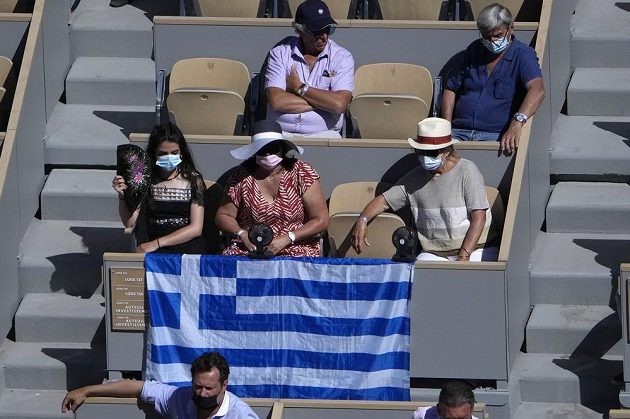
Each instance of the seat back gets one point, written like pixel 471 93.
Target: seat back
pixel 7 6
pixel 231 8
pixel 206 112
pixel 497 209
pixel 394 78
pixel 211 74
pixel 380 232
pixel 2 92
pixel 388 116
pixel 354 196
pixel 339 9
pixel 514 6
pixel 5 67
pixel 410 9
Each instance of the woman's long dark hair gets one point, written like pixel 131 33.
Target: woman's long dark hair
pixel 169 132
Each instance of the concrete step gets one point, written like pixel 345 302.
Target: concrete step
pixel 53 366
pixel 589 207
pixel 18 403
pixel 550 378
pixel 111 32
pixel 599 91
pixel 574 330
pixel 55 317
pixel 577 269
pixel 111 81
pixel 555 411
pixel 593 47
pixel 89 134
pixel 590 145
pixel 79 194
pixel 66 256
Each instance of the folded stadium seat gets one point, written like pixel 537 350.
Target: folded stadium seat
pixel 7 6
pixel 407 9
pixel 212 200
pixel 354 196
pixel 387 116
pixel 206 95
pixel 231 8
pixel 5 67
pixel 339 9
pixel 380 232
pixel 390 99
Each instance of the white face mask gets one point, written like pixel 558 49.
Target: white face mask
pixel 497 46
pixel 431 163
pixel 269 161
pixel 169 162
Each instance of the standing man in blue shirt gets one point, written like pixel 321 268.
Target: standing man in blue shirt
pixel 206 398
pixel 483 97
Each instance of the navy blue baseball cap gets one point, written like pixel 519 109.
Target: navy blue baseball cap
pixel 314 15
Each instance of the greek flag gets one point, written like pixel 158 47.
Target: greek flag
pixel 311 328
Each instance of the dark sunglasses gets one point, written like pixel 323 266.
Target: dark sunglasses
pixel 327 31
pixel 430 153
pixel 271 148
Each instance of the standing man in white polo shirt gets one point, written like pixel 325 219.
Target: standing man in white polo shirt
pixel 206 398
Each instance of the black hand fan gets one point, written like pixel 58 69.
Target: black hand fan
pixel 134 166
pixel 260 235
pixel 405 240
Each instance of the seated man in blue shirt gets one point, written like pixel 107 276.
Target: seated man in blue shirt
pixel 483 97
pixel 206 398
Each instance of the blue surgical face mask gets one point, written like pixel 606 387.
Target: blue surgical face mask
pixel 497 46
pixel 169 162
pixel 431 163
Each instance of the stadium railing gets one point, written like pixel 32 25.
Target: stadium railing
pixel 132 408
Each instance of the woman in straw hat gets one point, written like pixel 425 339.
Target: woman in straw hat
pixel 273 187
pixel 447 198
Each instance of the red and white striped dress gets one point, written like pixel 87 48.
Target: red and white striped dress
pixel 286 213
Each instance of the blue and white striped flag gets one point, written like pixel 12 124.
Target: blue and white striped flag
pixel 289 327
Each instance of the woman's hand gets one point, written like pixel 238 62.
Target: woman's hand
pixel 278 244
pixel 359 235
pixel 119 185
pixel 73 400
pixel 245 243
pixel 148 247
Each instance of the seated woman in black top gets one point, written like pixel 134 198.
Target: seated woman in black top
pixel 174 210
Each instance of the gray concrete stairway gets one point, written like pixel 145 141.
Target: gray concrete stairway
pixel 573 347
pixel 59 340
pixel 89 134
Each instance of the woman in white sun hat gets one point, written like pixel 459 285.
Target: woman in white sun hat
pixel 273 187
pixel 447 198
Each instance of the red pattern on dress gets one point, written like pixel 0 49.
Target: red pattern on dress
pixel 286 213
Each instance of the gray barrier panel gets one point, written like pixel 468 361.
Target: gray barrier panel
pixel 56 50
pixel 431 47
pixel 456 313
pixel 9 231
pixel 29 139
pixel 340 164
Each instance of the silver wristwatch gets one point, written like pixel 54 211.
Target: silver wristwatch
pixel 520 117
pixel 291 236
